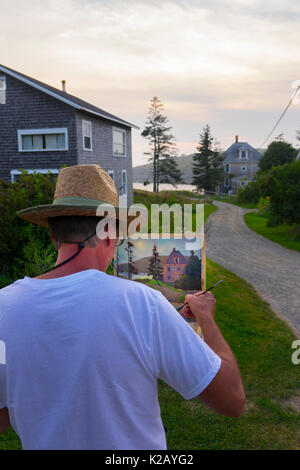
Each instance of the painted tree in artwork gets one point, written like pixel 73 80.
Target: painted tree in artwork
pixel 155 268
pixel 163 150
pixel 192 276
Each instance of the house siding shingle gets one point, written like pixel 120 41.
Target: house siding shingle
pixel 29 108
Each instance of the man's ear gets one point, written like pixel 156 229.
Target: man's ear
pixel 53 241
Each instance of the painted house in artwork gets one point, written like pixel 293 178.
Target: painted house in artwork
pixel 43 128
pixel 174 265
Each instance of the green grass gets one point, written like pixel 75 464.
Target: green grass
pixel 262 345
pixel 233 200
pixel 279 234
pixel 172 197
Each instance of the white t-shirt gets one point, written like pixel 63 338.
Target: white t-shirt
pixel 83 355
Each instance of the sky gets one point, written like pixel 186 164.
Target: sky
pixel 229 64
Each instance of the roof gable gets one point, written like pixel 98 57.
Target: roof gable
pixel 66 98
pixel 232 153
pixel 175 254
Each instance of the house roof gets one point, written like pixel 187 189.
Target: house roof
pixel 232 153
pixel 65 97
pixel 175 253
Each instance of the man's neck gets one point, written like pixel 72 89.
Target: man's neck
pixel 83 261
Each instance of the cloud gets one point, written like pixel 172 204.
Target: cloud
pixel 206 60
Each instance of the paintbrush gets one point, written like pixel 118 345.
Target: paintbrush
pixel 201 293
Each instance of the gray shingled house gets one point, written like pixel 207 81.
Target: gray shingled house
pixel 43 128
pixel 240 165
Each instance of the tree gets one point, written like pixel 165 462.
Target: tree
pixel 278 153
pixel 208 170
pixel 162 146
pixel 281 184
pixel 154 267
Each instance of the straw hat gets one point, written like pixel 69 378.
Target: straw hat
pixel 79 191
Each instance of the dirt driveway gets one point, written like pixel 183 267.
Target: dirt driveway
pixel 274 271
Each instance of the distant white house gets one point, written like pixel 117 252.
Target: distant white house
pixel 240 165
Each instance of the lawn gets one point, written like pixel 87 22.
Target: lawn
pixel 233 200
pixel 280 234
pixel 262 345
pixel 172 197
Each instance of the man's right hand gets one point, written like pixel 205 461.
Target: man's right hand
pixel 202 307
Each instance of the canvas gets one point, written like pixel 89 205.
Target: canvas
pixel 173 266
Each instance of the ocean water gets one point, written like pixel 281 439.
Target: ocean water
pixel 165 187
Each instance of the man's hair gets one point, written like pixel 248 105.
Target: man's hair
pixel 74 228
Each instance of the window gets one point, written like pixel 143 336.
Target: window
pixel 119 142
pixel 243 168
pixel 243 154
pixel 2 83
pixel 37 140
pixel 87 135
pixel 2 90
pixel 124 183
pixel 227 182
pixel 15 174
pixel 176 259
pixel 227 168
pixel 111 174
pixel 244 183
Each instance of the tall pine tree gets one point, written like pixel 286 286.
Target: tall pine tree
pixel 155 268
pixel 162 146
pixel 208 170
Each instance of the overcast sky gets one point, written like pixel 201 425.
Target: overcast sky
pixel 230 64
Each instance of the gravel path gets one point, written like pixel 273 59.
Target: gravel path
pixel 274 271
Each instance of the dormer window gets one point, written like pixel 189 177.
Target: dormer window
pixel 243 154
pixel 2 90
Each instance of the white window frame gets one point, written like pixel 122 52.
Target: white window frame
pixel 240 155
pixel 124 191
pixel 4 80
pixel 244 168
pixel 111 173
pixel 227 183
pixel 227 164
pixel 54 130
pixel 30 171
pixel 83 136
pixel 125 142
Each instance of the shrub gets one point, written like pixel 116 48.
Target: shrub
pixel 264 205
pixel 25 249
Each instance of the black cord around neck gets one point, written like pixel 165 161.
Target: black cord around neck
pixel 80 247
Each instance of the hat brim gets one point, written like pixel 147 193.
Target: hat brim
pixel 39 214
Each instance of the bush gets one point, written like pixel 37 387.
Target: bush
pixel 264 205
pixel 25 249
pixel 282 184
